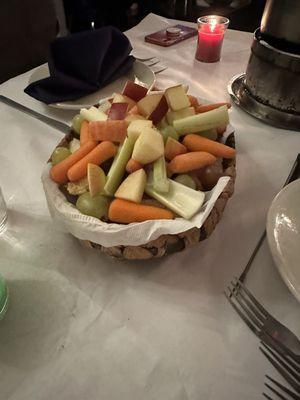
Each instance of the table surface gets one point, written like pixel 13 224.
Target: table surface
pixel 81 325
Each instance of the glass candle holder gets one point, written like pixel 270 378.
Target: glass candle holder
pixel 211 30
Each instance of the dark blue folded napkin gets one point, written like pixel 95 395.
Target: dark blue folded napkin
pixel 82 63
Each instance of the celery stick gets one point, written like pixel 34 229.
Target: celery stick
pixel 180 199
pixel 117 169
pixel 160 180
pixel 202 122
pixel 185 112
pixel 169 131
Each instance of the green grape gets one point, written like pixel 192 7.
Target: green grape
pixel 186 180
pixel 59 154
pixel 96 206
pixel 76 123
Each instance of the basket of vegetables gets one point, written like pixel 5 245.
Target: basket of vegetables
pixel 144 174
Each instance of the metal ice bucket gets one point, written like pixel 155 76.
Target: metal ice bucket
pixel 273 76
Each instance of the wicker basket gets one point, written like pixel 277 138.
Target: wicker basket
pixel 167 244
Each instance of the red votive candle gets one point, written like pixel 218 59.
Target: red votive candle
pixel 211 30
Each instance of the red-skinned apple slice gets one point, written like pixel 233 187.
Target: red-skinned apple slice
pixel 134 91
pixel 118 111
pixel 160 111
pixel 148 104
pixel 153 106
pixel 121 98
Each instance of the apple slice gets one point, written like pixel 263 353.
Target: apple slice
pixel 96 179
pixel 93 114
pixel 185 112
pixel 148 147
pixel 177 97
pixel 105 106
pixel 160 111
pixel 136 127
pixel 132 188
pixel 120 98
pixel 148 103
pixel 173 148
pixel 134 91
pixel 133 117
pixel 134 110
pixel 118 111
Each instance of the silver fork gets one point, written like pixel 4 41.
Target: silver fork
pixel 288 369
pixel 152 62
pixel 274 387
pixel 261 323
pixel 159 68
pixel 143 59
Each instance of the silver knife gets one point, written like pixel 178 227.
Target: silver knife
pixel 64 128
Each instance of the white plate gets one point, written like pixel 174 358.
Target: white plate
pixel 283 232
pixel 140 73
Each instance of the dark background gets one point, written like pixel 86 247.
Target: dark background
pixel 28 26
pixel 243 14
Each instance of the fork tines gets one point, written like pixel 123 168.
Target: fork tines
pixel 245 304
pixel 284 365
pixel 280 391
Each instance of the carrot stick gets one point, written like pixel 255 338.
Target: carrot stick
pixel 173 148
pixel 209 107
pixel 58 172
pixel 200 143
pixel 102 152
pixel 84 132
pixel 133 166
pixel 190 161
pixel 112 130
pixel 125 212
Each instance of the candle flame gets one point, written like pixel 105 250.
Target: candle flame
pixel 213 24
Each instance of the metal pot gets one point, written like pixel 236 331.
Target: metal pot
pixel 280 20
pixel 273 76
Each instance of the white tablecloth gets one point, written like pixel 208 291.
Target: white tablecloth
pixel 83 326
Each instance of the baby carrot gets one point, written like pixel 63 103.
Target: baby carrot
pixel 133 166
pixel 102 152
pixel 58 172
pixel 173 148
pixel 125 212
pixel 208 107
pixel 190 161
pixel 200 143
pixel 84 132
